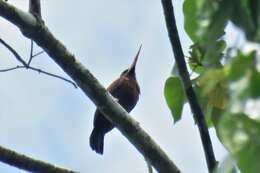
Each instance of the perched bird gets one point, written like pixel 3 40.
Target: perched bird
pixel 126 92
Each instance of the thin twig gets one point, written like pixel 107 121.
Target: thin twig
pixel 39 71
pixel 149 166
pixel 184 75
pixel 37 54
pixel 53 75
pixel 10 69
pixel 16 55
pixel 31 54
pixel 27 66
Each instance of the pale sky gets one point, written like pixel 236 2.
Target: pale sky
pixel 50 120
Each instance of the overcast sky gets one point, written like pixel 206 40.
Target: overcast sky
pixel 50 120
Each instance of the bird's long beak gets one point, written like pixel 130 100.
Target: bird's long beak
pixel 132 67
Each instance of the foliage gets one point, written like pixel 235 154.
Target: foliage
pixel 228 91
pixel 175 96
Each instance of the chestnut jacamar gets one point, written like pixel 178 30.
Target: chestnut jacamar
pixel 126 92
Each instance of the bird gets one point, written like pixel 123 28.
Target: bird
pixel 125 91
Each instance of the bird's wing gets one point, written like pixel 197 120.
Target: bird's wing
pixel 115 87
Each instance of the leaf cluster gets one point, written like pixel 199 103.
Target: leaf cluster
pixel 228 91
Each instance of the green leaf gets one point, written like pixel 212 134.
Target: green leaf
pixel 203 101
pixel 201 59
pixel 205 22
pixel 254 11
pixel 175 96
pixel 241 136
pixel 195 59
pixel 211 112
pixel 254 6
pixel 239 127
pixel 214 87
pixel 245 15
pixel 254 84
pixel 244 79
pixel 216 115
pixel 240 65
pixel 190 10
pixel 214 53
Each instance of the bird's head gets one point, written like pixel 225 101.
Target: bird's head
pixel 130 72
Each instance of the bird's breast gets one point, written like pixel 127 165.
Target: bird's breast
pixel 128 94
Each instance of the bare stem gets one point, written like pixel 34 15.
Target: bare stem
pixel 184 75
pixel 37 54
pixel 31 54
pixel 27 66
pixel 53 75
pixel 10 69
pixel 16 55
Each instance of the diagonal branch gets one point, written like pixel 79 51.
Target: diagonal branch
pixel 26 163
pixel 31 54
pixel 16 55
pixel 10 69
pixel 39 71
pixel 37 54
pixel 34 9
pixel 130 128
pixel 184 75
pixel 53 75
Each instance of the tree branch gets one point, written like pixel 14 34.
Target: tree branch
pixel 31 54
pixel 27 65
pixel 53 75
pixel 130 128
pixel 37 54
pixel 10 69
pixel 184 75
pixel 26 163
pixel 35 8
pixel 39 71
pixel 16 55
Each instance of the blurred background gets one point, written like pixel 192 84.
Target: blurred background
pixel 50 120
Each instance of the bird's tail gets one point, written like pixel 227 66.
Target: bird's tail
pixel 96 141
